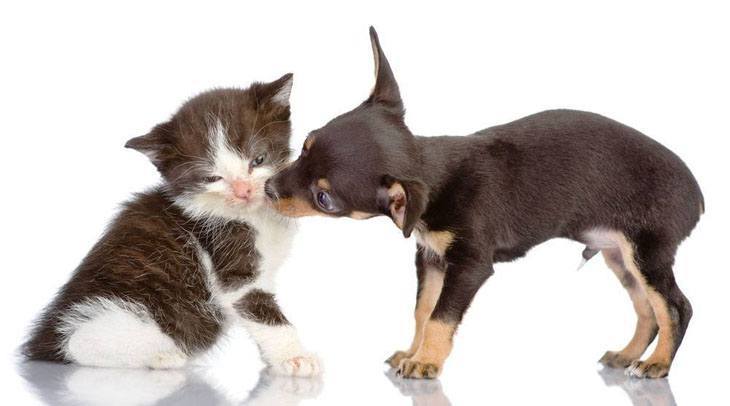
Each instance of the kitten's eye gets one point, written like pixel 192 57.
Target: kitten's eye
pixel 258 161
pixel 212 179
pixel 324 201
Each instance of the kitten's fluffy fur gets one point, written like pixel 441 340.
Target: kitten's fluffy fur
pixel 183 261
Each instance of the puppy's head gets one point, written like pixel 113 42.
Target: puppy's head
pixel 361 164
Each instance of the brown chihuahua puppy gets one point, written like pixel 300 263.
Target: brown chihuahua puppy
pixel 489 197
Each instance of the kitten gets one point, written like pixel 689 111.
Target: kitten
pixel 185 260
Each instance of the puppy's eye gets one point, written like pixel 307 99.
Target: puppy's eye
pixel 324 201
pixel 212 179
pixel 258 161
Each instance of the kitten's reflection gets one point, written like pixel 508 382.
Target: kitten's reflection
pixel 56 384
pixel 642 392
pixel 421 391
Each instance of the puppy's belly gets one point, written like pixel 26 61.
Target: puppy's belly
pixel 601 239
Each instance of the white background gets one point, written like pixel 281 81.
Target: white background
pixel 79 79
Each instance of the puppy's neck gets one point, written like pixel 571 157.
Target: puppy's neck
pixel 435 163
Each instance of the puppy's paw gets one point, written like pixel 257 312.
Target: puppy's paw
pixel 615 360
pixel 396 358
pixel 304 365
pixel 648 369
pixel 413 369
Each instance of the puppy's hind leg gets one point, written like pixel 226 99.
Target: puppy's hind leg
pixel 654 259
pixel 430 274
pixel 646 325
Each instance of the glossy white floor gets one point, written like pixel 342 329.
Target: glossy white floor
pixel 80 78
pixel 235 379
pixel 70 385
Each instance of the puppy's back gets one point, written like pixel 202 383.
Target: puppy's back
pixel 589 168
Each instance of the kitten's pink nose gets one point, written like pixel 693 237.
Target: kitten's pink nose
pixel 242 189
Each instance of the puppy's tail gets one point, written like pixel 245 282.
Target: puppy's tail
pixel 587 254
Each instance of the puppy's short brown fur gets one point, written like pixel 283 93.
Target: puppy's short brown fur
pixel 489 197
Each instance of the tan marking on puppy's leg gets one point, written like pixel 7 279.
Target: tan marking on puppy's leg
pixel 432 284
pixel 436 241
pixel 659 362
pixel 430 356
pixel 646 326
pixel 431 289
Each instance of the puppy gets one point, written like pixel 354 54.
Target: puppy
pixel 489 197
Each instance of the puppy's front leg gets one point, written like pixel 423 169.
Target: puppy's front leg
pixel 430 271
pixel 276 338
pixel 461 282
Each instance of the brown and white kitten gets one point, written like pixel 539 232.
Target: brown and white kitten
pixel 185 260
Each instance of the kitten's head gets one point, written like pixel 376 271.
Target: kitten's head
pixel 217 151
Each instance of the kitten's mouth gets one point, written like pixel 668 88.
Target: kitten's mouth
pixel 238 202
pixel 246 202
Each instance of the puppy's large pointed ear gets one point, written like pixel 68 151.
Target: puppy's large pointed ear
pixel 404 201
pixel 386 88
pixel 154 143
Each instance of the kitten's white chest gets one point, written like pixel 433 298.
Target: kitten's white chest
pixel 274 236
pixel 272 241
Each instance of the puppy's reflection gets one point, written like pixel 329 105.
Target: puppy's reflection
pixel 642 392
pixel 57 384
pixel 421 391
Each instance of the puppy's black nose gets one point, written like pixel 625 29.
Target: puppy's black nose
pixel 269 190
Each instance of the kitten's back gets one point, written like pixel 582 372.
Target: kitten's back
pixel 146 259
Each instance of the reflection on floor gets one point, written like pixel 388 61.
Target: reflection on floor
pixel 421 391
pixel 56 384
pixel 642 392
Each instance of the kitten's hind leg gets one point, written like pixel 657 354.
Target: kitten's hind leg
pixel 276 337
pixel 115 333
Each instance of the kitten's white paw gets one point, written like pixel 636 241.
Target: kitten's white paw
pixel 304 365
pixel 168 360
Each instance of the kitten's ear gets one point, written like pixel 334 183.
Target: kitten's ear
pixel 276 92
pixel 403 200
pixel 153 143
pixel 386 88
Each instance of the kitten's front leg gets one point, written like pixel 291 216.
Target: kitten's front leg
pixel 276 337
